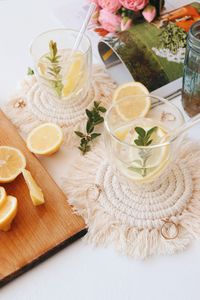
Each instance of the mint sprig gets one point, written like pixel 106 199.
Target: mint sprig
pixel 144 137
pixel 94 118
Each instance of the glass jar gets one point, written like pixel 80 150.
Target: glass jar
pixel 191 77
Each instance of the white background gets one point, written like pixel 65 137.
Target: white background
pixel 80 272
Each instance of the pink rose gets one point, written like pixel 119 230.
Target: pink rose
pixel 94 1
pixel 134 5
pixel 149 13
pixel 109 21
pixel 110 5
pixel 126 23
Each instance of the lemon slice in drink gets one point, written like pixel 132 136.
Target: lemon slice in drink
pixel 8 212
pixel 155 158
pixel 74 74
pixel 35 191
pixel 3 196
pixel 45 139
pixel 12 162
pixel 132 107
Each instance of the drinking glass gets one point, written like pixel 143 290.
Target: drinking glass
pixel 63 74
pixel 134 161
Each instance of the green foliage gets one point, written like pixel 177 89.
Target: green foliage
pixel 94 118
pixel 54 69
pixel 144 137
pixel 172 37
pixel 30 71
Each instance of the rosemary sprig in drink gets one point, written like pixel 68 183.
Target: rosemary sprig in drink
pixel 54 69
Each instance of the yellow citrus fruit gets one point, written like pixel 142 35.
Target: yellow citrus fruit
pixel 3 196
pixel 74 74
pixel 8 212
pixel 34 190
pixel 45 139
pixel 137 103
pixel 12 162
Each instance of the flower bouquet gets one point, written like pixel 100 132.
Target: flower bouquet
pixel 119 15
pixel 148 46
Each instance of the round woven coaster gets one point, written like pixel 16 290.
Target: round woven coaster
pixel 30 106
pixel 141 220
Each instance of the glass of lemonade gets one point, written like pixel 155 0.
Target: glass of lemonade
pixel 62 74
pixel 140 148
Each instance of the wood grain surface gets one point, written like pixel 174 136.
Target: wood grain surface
pixel 36 232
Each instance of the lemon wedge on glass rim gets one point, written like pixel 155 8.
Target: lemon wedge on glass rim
pixel 8 212
pixel 12 162
pixel 45 139
pixel 133 107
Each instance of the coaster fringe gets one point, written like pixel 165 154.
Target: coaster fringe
pixel 104 228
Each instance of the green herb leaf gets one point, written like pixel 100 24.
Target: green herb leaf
pixel 94 118
pixel 95 135
pixel 150 131
pixel 89 126
pixel 30 71
pixel 80 134
pixel 140 131
pixel 88 113
pixel 102 109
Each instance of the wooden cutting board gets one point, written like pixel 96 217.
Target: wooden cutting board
pixel 37 232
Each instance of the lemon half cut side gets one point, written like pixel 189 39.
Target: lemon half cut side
pixel 45 139
pixel 12 162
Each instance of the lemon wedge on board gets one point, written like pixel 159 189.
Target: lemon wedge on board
pixel 3 196
pixel 7 213
pixel 35 191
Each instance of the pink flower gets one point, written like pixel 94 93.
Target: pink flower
pixel 94 1
pixel 126 23
pixel 110 5
pixel 109 21
pixel 149 13
pixel 134 5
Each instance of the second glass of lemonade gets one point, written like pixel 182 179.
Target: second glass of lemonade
pixel 140 148
pixel 63 74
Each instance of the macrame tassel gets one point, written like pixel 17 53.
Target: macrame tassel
pixel 104 227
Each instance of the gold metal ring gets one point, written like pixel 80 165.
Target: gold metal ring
pixel 164 230
pixel 94 188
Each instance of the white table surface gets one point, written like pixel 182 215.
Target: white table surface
pixel 80 272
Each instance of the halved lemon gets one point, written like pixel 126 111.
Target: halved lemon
pixel 7 213
pixel 74 74
pixel 45 139
pixel 12 162
pixel 34 190
pixel 133 106
pixel 3 196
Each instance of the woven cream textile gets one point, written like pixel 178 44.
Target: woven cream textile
pixel 128 216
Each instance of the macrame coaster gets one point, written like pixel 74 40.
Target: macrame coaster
pixel 30 107
pixel 158 218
